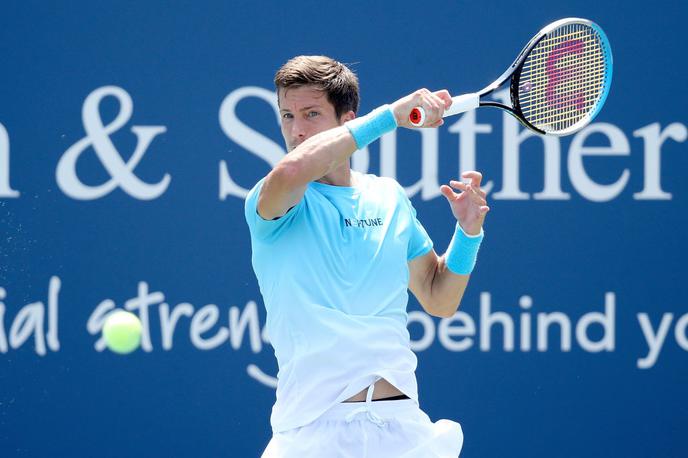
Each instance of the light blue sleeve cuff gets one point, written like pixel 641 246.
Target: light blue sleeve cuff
pixel 372 126
pixel 463 251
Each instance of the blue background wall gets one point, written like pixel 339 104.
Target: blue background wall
pixel 193 396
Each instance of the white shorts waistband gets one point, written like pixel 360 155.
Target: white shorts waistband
pixel 385 409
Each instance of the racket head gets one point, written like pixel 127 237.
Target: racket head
pixel 563 77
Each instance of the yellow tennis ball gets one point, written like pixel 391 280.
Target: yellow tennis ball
pixel 122 331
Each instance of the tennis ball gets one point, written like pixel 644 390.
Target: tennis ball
pixel 122 331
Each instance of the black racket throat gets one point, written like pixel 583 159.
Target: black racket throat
pixel 512 111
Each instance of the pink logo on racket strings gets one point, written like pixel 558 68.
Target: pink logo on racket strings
pixel 557 76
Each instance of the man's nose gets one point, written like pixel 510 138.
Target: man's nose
pixel 298 130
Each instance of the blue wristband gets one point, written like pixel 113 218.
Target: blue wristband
pixel 463 251
pixel 372 126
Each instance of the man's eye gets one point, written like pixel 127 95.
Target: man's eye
pixel 313 114
pixel 287 116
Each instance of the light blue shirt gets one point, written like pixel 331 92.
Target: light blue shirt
pixel 334 277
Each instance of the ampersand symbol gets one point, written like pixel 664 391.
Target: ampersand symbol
pixel 98 136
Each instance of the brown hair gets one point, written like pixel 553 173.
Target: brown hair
pixel 334 78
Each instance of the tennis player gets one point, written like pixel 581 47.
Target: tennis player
pixel 335 252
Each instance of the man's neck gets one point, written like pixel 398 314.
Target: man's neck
pixel 340 177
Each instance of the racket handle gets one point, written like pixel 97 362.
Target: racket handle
pixel 460 104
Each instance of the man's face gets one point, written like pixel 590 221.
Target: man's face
pixel 304 112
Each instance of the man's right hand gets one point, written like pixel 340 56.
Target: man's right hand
pixel 434 104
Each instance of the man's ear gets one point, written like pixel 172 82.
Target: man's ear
pixel 348 116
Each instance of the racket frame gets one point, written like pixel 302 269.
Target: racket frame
pixel 466 102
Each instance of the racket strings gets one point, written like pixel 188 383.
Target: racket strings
pixel 556 38
pixel 583 63
pixel 544 53
pixel 573 86
pixel 579 102
pixel 564 117
pixel 542 60
pixel 564 97
pixel 544 50
pixel 571 89
pixel 562 78
pixel 594 69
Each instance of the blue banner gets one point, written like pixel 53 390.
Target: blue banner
pixel 130 134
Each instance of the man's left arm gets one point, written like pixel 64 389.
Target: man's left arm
pixel 439 282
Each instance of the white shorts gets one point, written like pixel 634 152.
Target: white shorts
pixel 379 429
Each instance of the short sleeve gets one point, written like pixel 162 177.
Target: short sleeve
pixel 267 230
pixel 419 240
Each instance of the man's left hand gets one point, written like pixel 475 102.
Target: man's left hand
pixel 469 206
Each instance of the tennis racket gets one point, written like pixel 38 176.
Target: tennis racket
pixel 558 82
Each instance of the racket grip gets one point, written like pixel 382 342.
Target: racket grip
pixel 460 104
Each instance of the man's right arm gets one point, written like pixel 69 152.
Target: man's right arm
pixel 286 184
pixel 324 152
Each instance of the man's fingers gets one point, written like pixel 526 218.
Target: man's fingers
pixel 459 185
pixel 476 177
pixel 433 104
pixel 436 110
pixel 445 97
pixel 437 123
pixel 440 104
pixel 448 192
pixel 476 195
